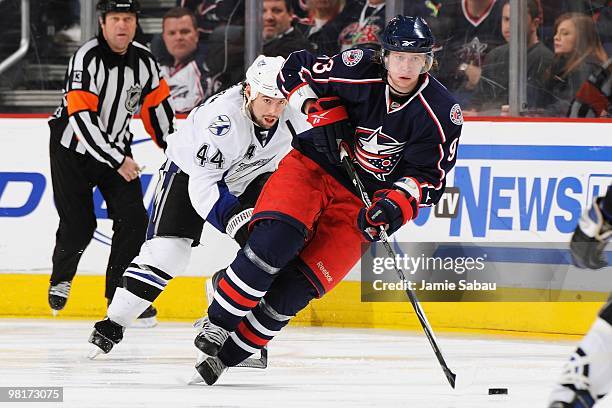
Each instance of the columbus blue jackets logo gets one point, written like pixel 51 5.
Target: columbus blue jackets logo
pixel 376 152
pixel 133 98
pixel 220 126
pixel 352 57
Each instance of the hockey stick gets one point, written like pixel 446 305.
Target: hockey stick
pixel 384 238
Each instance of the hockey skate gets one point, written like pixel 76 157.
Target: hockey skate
pixel 201 325
pixel 209 371
pixel 147 319
pixel 211 337
pixel 582 399
pixel 572 390
pixel 105 336
pixel 251 362
pixel 58 296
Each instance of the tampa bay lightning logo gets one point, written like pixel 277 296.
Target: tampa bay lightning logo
pixel 376 152
pixel 220 126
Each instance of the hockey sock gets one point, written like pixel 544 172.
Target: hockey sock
pixel 126 307
pixel 252 334
pixel 142 284
pixel 290 293
pixel 271 245
pixel 590 367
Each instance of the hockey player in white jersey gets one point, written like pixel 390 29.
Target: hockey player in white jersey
pixel 217 164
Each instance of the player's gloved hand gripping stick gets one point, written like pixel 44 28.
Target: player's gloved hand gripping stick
pixel 330 125
pixel 384 238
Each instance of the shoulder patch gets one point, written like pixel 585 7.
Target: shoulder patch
pixel 456 116
pixel 220 125
pixel 352 57
pixel 77 76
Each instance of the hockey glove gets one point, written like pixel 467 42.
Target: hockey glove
pixel 590 238
pixel 329 120
pixel 390 209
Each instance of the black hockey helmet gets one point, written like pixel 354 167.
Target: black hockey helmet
pixel 118 6
pixel 407 34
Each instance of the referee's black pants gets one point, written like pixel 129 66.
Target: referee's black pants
pixel 74 176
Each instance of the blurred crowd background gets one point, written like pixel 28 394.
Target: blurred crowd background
pixel 200 45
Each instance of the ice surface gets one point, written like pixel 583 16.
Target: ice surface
pixel 308 367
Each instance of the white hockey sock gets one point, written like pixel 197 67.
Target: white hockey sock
pixel 597 344
pixel 126 307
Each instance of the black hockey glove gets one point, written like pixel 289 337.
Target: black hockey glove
pixel 390 209
pixel 329 120
pixel 590 238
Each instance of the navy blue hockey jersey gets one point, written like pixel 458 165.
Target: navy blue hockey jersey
pixel 464 39
pixel 417 139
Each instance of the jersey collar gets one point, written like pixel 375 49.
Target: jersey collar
pixel 414 95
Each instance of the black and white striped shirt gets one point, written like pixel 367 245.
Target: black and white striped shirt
pixel 103 90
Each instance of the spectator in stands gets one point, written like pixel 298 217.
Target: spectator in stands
pixel 226 55
pixel 210 14
pixel 320 13
pixel 358 25
pixel 491 83
pixel 428 9
pixel 300 8
pixel 186 74
pixel 554 8
pixel 65 16
pixel 594 98
pixel 280 37
pixel 603 21
pixel 466 31
pixel 578 54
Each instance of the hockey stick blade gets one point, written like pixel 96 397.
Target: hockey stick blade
pixel 384 238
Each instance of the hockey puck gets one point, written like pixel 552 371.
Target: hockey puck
pixel 498 391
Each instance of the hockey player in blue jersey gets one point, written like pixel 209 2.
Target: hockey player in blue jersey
pixel 401 128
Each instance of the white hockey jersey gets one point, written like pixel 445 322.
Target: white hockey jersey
pixel 218 148
pixel 186 88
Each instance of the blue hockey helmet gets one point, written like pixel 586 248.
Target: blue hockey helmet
pixel 118 6
pixel 407 34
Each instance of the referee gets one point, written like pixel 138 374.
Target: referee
pixel 108 79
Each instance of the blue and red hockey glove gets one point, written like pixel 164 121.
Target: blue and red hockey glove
pixel 390 209
pixel 329 120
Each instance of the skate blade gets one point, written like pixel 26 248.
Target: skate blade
pixel 54 312
pixel 196 379
pixel 201 357
pixel 95 352
pixel 145 323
